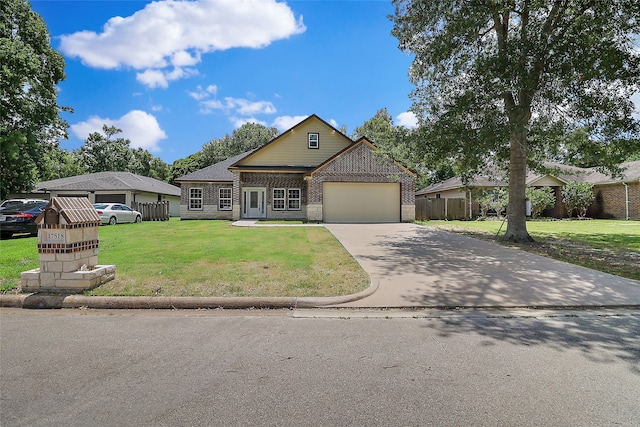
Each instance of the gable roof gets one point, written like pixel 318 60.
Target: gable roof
pixel 74 210
pixel 284 134
pixel 563 173
pixel 109 181
pixel 362 141
pixel 218 172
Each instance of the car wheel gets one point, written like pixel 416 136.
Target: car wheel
pixel 112 220
pixel 138 219
pixel 6 235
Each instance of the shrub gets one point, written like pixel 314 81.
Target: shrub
pixel 541 199
pixel 496 200
pixel 577 196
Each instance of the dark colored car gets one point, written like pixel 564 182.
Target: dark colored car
pixel 17 219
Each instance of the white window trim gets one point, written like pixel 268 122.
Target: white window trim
pixel 299 199
pixel 191 199
pixel 316 143
pixel 283 198
pixel 230 198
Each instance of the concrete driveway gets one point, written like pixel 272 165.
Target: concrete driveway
pixel 418 266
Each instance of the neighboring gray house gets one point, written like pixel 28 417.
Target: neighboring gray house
pixel 114 187
pixel 614 197
pixel 310 172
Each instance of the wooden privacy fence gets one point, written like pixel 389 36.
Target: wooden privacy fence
pixel 433 209
pixel 152 211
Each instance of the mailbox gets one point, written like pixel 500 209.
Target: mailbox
pixel 68 248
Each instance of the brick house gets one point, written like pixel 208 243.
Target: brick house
pixel 311 172
pixel 615 198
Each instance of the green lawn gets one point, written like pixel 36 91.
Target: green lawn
pixel 209 258
pixel 606 234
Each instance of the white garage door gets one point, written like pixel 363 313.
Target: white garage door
pixel 361 202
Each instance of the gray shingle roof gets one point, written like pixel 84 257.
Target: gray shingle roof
pixel 122 181
pixel 218 172
pixel 564 173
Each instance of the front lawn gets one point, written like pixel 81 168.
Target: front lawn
pixel 605 245
pixel 209 258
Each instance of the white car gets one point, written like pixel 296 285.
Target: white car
pixel 116 213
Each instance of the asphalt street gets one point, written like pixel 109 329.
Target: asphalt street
pixel 319 367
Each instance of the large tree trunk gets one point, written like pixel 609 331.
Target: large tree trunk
pixel 516 211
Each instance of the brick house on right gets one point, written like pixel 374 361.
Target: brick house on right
pixel 615 198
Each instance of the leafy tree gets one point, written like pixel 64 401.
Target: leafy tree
pixel 184 166
pixel 101 153
pixel 577 196
pixel 60 163
pixel 30 69
pixel 159 170
pixel 140 162
pixel 397 142
pixel 245 138
pixel 541 199
pixel 503 80
pixel 379 130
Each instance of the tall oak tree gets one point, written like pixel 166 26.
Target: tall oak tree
pixel 502 81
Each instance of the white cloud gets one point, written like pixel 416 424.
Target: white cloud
pixel 200 93
pixel 283 123
pixel 141 128
pixel 160 78
pixel 230 105
pixel 245 107
pixel 407 119
pixel 176 33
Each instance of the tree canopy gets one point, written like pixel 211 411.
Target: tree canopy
pixel 502 82
pixel 30 70
pixel 245 138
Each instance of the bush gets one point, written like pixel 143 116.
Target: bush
pixel 541 199
pixel 495 200
pixel 577 196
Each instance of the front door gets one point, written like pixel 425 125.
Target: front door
pixel 253 200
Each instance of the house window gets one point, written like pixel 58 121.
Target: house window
pixel 195 199
pixel 278 199
pixel 293 199
pixel 314 140
pixel 224 199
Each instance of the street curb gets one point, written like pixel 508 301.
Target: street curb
pixel 53 301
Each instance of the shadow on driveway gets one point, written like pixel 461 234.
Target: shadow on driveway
pixel 418 266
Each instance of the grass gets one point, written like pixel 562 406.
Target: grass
pixel 209 258
pixel 605 245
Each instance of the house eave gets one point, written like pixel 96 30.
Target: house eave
pixel 272 169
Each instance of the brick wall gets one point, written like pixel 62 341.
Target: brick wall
pixel 362 164
pixel 271 180
pixel 610 201
pixel 210 194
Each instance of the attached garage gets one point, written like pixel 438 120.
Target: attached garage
pixel 360 202
pixel 111 198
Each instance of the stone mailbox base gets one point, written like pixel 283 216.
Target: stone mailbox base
pixel 68 248
pixel 72 282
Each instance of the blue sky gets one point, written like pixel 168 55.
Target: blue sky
pixel 174 75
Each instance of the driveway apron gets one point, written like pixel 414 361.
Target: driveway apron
pixel 420 266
